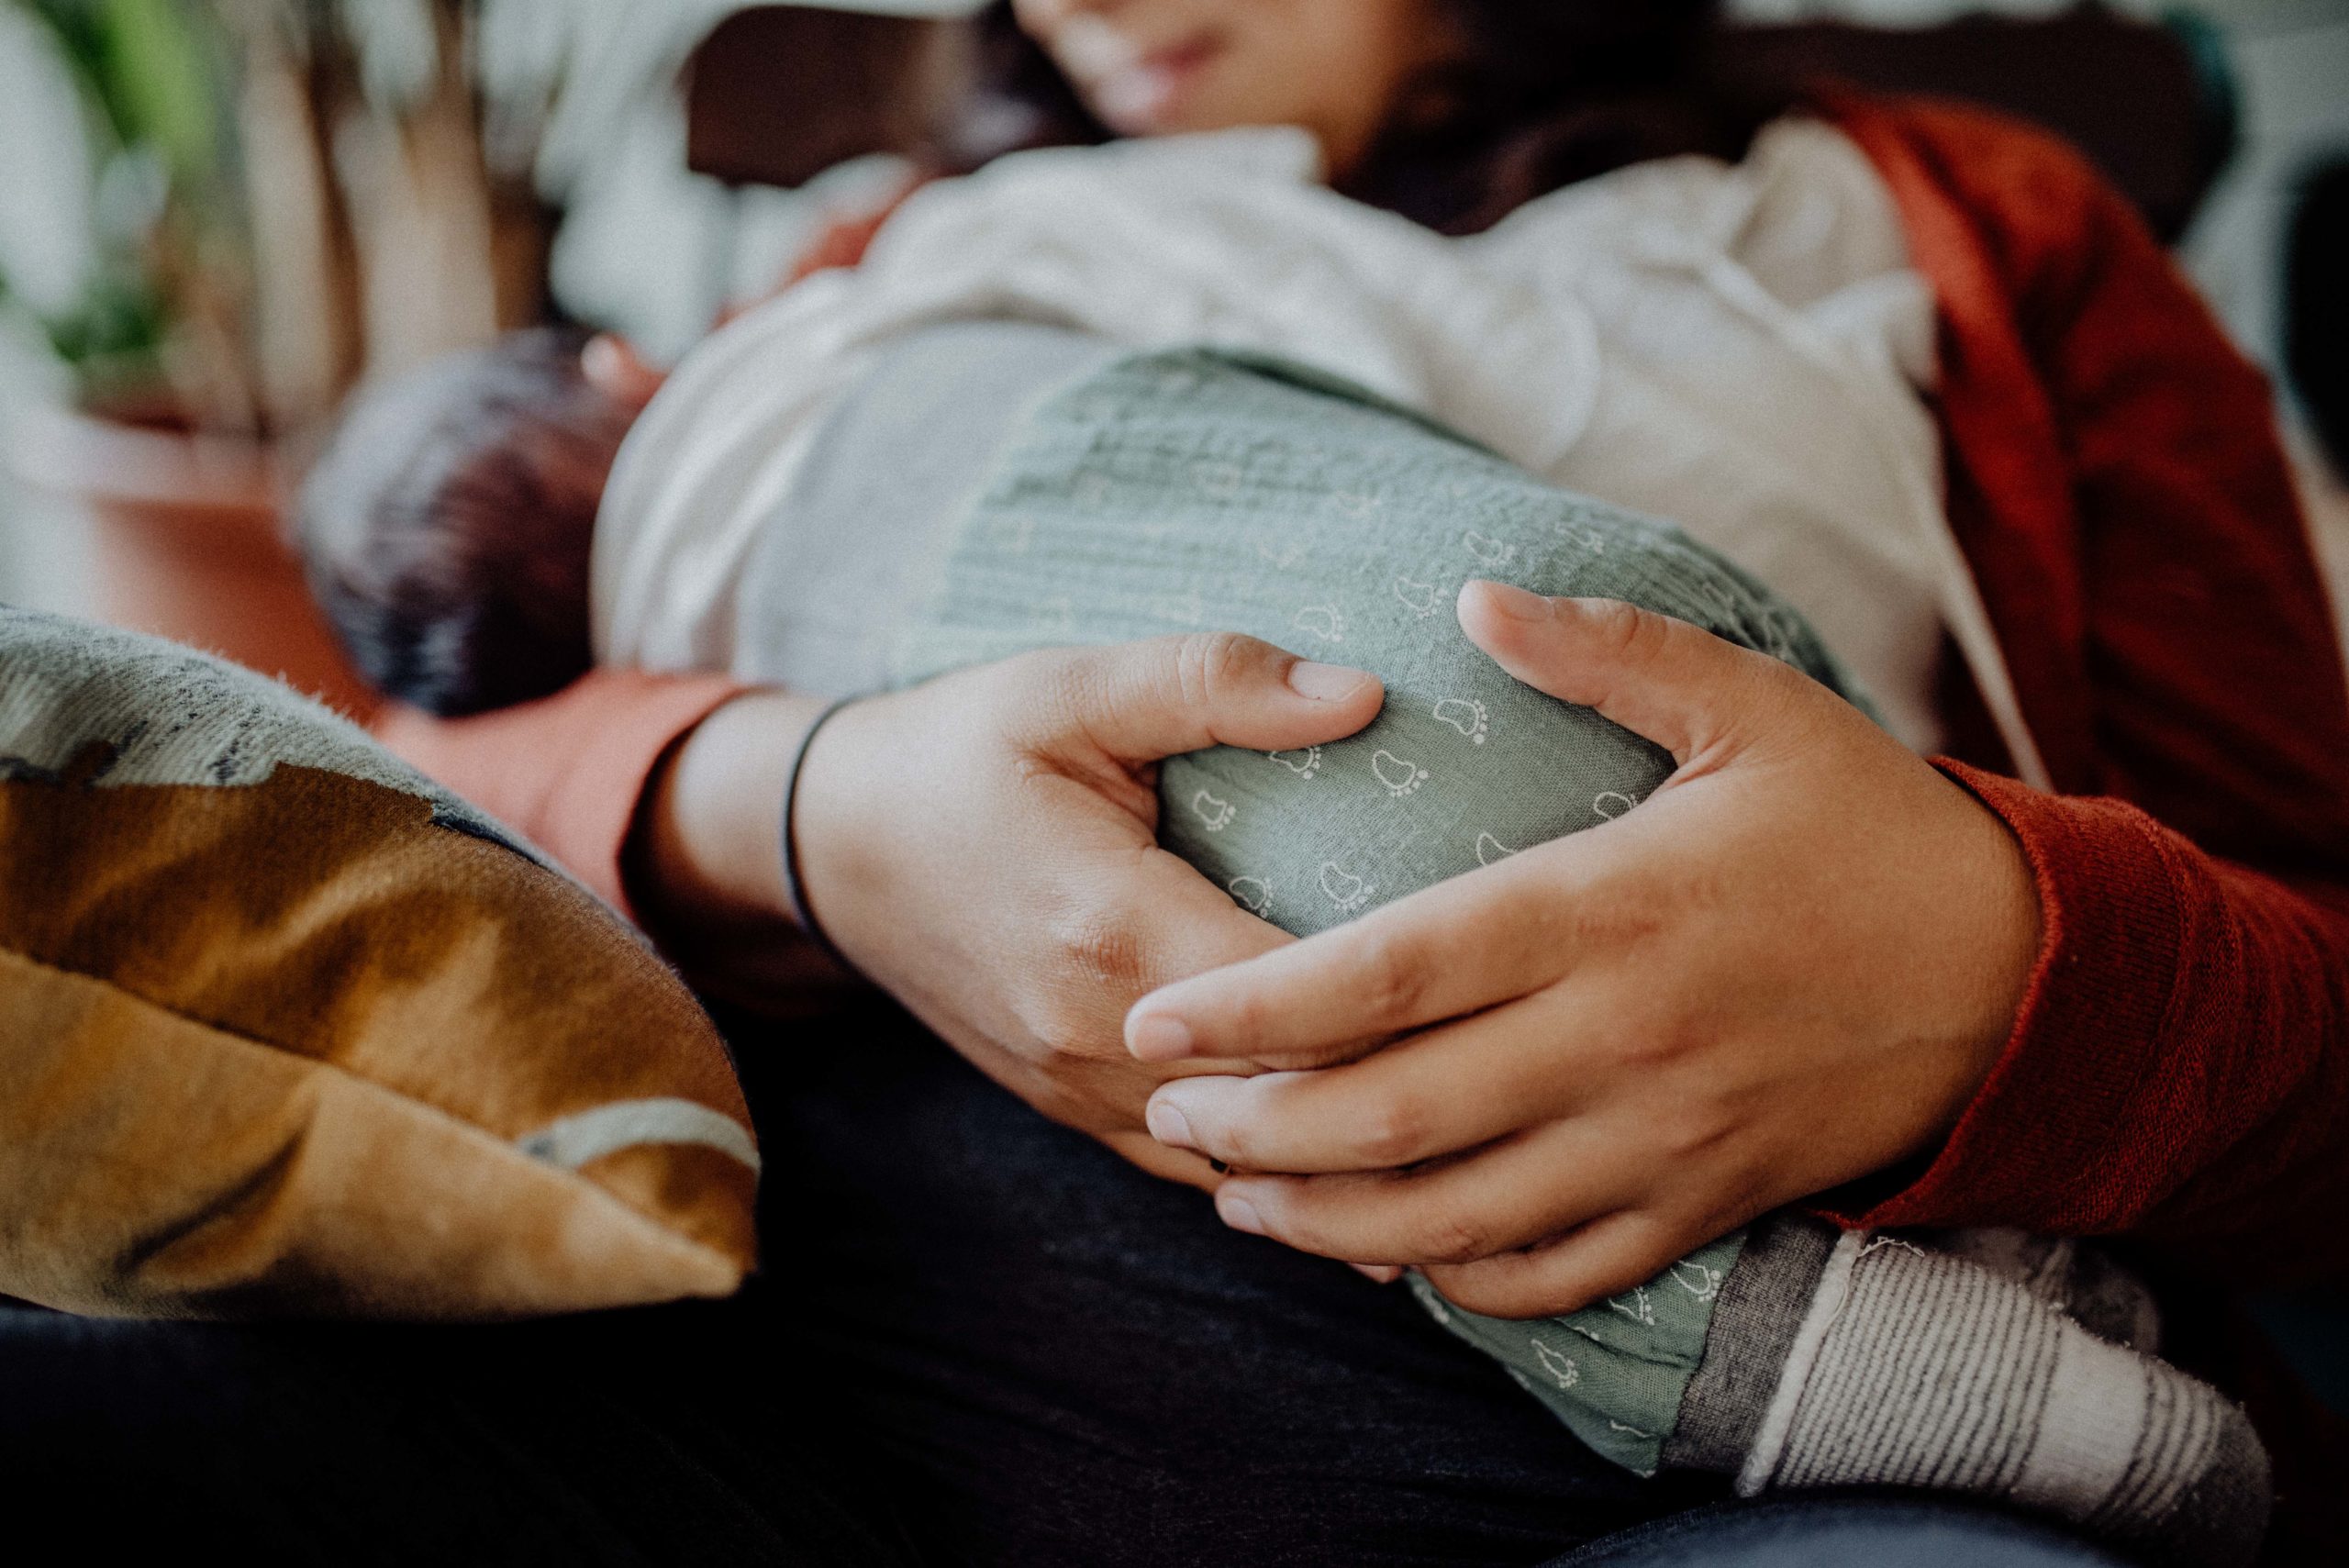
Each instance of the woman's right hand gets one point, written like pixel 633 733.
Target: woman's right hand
pixel 983 847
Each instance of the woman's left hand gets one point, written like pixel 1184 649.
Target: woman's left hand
pixel 1793 965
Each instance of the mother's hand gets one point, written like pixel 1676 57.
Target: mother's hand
pixel 983 848
pixel 1791 966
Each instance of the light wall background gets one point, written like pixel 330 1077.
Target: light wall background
pixel 652 251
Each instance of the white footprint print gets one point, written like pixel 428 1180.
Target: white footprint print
pixel 1326 622
pixel 1560 1367
pixel 1466 715
pixel 1401 778
pixel 1251 893
pixel 1637 1306
pixel 1699 1281
pixel 1612 804
pixel 1304 764
pixel 1489 849
pixel 1344 889
pixel 1213 814
pixel 1420 598
pixel 1488 550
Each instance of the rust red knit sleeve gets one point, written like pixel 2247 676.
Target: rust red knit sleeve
pixel 2181 1068
pixel 567 771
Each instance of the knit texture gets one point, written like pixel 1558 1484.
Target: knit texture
pixel 1193 490
pixel 2118 488
pixel 1916 1369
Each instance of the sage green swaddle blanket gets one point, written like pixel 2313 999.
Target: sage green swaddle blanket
pixel 1193 489
pixel 985 488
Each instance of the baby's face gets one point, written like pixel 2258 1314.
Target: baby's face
pixel 1157 67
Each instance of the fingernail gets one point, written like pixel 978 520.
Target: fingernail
pixel 1157 1038
pixel 1239 1213
pixel 1516 602
pixel 1324 682
pixel 1168 1126
pixel 1377 1274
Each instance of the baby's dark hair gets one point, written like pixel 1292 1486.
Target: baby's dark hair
pixel 446 528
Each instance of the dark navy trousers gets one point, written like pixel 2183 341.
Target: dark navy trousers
pixel 978 1338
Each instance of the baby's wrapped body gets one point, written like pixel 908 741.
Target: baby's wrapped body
pixel 1044 489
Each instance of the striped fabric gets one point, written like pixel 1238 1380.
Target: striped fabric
pixel 1912 1368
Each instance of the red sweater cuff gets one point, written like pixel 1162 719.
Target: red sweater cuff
pixel 2033 1147
pixel 566 772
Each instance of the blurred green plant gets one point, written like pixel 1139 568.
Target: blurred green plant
pixel 286 195
pixel 150 76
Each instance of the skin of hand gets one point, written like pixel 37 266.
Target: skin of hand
pixel 1540 1082
pixel 983 848
pixel 703 862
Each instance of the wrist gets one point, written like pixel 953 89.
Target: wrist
pixel 795 887
pixel 837 824
pixel 2007 950
pixel 708 845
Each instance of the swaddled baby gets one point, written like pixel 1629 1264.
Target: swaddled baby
pixel 978 490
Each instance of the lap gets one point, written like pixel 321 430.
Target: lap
pixel 977 1335
pixel 1082 1365
pixel 592 1442
pixel 1845 1531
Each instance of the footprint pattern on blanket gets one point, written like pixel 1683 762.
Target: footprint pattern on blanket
pixel 1214 815
pixel 1344 889
pixel 1561 1367
pixel 1467 715
pixel 1422 599
pixel 1487 551
pixel 1400 777
pixel 1252 894
pixel 1325 622
pixel 1612 804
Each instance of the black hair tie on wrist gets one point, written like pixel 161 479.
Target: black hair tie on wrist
pixel 793 892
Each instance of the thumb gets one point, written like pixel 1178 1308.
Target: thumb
pixel 1675 684
pixel 1141 701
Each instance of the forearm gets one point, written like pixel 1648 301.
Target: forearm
pixel 569 773
pixel 2180 1070
pixel 704 860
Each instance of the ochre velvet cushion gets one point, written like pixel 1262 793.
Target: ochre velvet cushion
pixel 286 1028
